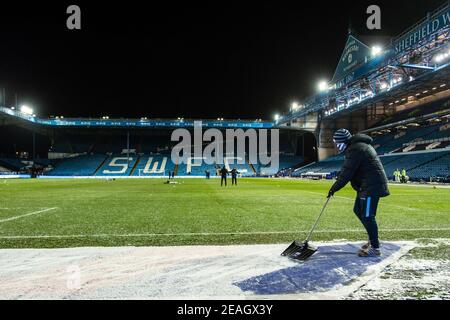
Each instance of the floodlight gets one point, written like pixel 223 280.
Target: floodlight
pixel 26 110
pixel 322 86
pixel 376 51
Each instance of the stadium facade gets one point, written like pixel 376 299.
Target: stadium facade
pixel 398 93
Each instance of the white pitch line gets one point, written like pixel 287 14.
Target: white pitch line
pixel 137 235
pixel 27 214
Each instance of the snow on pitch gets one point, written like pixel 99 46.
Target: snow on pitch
pixel 189 272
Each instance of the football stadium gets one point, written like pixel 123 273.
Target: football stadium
pixel 125 208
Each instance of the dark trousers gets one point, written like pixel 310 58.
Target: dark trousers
pixel 234 180
pixel 366 210
pixel 222 180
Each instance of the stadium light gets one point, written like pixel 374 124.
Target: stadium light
pixel 396 80
pixel 27 110
pixel 322 86
pixel 376 51
pixel 441 57
pixel 384 86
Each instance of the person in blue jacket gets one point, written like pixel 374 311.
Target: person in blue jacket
pixel 363 169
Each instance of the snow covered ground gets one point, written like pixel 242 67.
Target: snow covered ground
pixel 209 272
pixel 423 273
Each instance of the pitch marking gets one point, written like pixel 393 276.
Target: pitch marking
pixel 27 214
pixel 137 235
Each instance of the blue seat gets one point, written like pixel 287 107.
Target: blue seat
pixel 84 165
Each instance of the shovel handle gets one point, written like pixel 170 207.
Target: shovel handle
pixel 318 219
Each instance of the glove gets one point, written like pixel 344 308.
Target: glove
pixel 330 193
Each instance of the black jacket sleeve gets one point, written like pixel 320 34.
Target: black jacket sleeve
pixel 351 165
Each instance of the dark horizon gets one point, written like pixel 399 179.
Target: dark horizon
pixel 202 61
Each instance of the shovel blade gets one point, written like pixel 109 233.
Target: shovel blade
pixel 294 247
pixel 306 251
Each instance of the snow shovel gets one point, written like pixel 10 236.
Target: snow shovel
pixel 302 251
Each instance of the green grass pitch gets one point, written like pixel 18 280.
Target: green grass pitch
pixel 87 212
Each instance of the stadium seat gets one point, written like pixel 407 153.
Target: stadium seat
pixel 154 165
pixel 84 165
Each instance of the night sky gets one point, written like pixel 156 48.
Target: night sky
pixel 217 59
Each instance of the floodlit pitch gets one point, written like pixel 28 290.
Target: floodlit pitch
pixel 87 212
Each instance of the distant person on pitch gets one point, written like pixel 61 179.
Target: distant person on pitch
pixel 234 174
pixel 363 169
pixel 397 175
pixel 223 175
pixel 404 176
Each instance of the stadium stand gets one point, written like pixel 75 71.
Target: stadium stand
pixel 153 165
pixel 84 165
pixel 395 141
pixel 13 164
pixel 326 166
pixel 420 147
pixel 438 168
pixel 156 165
pixel 150 155
pixel 4 170
pixel 118 165
pixel 423 110
pixel 286 161
pixel 419 165
pixel 409 161
pixel 113 145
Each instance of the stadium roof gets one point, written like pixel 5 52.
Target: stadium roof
pixel 105 122
pixel 358 75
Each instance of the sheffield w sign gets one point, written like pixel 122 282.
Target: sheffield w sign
pixel 429 27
